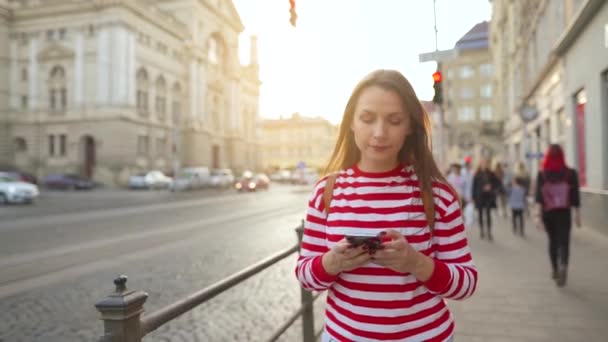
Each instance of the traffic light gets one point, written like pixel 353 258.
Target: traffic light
pixel 292 11
pixel 438 98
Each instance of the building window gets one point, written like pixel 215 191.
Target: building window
pixel 24 101
pixel 466 114
pixel 466 71
pixel 51 145
pixel 50 34
pixel 486 69
pixel 161 146
pixel 20 145
pixel 62 33
pixel 24 74
pixel 486 91
pixel 142 92
pixel 161 98
pixel 62 144
pixel 57 89
pixel 142 145
pixel 485 113
pixel 466 93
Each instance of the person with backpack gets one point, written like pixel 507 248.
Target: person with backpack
pixel 557 192
pixel 383 232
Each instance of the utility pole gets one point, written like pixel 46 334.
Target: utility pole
pixel 441 140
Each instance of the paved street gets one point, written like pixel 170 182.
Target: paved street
pixel 53 267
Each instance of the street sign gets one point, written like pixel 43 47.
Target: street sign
pixel 528 113
pixel 438 56
pixel 534 155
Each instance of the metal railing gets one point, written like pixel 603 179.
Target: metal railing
pixel 121 310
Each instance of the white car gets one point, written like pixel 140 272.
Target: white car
pixel 149 180
pixel 13 190
pixel 221 178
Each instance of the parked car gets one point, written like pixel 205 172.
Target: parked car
pixel 21 175
pixel 191 178
pixel 13 190
pixel 150 180
pixel 252 182
pixel 221 178
pixel 68 181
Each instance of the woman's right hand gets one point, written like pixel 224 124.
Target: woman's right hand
pixel 342 257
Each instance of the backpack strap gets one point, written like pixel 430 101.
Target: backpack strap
pixel 329 190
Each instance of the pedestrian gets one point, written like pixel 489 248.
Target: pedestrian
pixel 501 191
pixel 456 179
pixel 557 191
pixel 383 182
pixel 467 180
pixel 524 177
pixel 517 203
pixel 485 188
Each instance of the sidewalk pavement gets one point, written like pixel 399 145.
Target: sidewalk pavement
pixel 516 299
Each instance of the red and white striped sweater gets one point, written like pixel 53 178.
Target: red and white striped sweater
pixel 374 303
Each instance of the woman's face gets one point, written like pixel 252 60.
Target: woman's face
pixel 380 126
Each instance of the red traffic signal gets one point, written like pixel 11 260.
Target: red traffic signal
pixel 292 11
pixel 437 76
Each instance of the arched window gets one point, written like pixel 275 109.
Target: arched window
pixel 161 98
pixel 58 94
pixel 216 50
pixel 176 106
pixel 142 91
pixel 20 145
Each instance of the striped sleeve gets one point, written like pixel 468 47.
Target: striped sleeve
pixel 455 274
pixel 309 268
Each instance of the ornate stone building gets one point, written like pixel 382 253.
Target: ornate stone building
pixel 107 87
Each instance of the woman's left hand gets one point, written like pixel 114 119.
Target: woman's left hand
pixel 397 254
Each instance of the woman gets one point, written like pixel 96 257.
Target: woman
pixel 557 191
pixel 501 192
pixel 386 184
pixel 485 188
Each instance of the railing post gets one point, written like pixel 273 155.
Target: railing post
pixel 308 320
pixel 120 312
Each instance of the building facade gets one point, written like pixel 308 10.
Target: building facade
pixel 105 88
pixel 474 127
pixel 289 141
pixel 553 86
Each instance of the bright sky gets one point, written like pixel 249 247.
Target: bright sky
pixel 313 68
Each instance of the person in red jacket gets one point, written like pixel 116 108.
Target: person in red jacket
pixel 557 191
pixel 383 181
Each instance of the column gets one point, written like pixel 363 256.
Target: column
pixel 103 66
pixel 119 73
pixel 33 74
pixel 14 95
pixel 131 72
pixel 202 91
pixel 193 89
pixel 234 105
pixel 78 90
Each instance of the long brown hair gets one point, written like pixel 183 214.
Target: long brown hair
pixel 416 149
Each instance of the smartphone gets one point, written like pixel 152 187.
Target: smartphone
pixel 372 242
